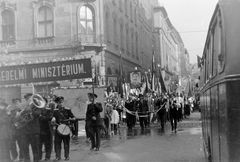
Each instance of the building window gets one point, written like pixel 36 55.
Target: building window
pixel 107 26
pixel 115 31
pixel 137 46
pixel 126 7
pixel 131 10
pixel 114 2
pixel 120 5
pixel 135 15
pixel 8 25
pixel 121 35
pixel 86 20
pixel 132 44
pixel 127 40
pixel 45 22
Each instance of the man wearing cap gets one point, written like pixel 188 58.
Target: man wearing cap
pixel 45 131
pixel 16 134
pixel 95 121
pixel 143 111
pixel 62 115
pixel 87 122
pixel 5 135
pixel 31 131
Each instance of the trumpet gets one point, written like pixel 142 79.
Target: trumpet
pixel 25 116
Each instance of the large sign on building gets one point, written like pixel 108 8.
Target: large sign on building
pixel 44 72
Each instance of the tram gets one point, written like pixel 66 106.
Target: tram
pixel 220 84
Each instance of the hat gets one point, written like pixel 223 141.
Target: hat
pixel 140 95
pixel 92 94
pixel 58 99
pixel 15 100
pixel 26 96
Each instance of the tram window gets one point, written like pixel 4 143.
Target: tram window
pixel 215 48
pixel 211 53
pixel 220 59
pixel 207 65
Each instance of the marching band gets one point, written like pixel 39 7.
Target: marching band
pixel 47 124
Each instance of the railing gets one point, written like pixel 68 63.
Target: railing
pixel 86 39
pixel 8 43
pixel 44 40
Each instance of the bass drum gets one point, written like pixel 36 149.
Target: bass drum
pixel 63 130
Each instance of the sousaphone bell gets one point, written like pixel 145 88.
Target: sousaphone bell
pixel 25 116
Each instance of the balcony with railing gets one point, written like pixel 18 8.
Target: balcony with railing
pixel 8 43
pixel 44 40
pixel 82 39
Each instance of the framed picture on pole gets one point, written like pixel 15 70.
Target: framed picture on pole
pixel 135 79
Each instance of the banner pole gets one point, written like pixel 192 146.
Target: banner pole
pixel 93 76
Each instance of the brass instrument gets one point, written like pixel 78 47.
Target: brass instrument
pixel 25 116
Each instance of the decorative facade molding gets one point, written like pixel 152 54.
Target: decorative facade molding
pixel 7 5
pixel 8 44
pixel 50 3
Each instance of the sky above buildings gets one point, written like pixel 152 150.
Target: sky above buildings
pixel 191 18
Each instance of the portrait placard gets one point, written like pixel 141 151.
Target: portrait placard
pixel 135 79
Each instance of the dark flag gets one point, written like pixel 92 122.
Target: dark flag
pixel 120 77
pixel 163 87
pixel 199 61
pixel 153 72
pixel 147 90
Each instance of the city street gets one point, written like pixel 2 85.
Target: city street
pixel 150 145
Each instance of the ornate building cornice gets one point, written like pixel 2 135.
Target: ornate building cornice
pixel 44 3
pixel 7 5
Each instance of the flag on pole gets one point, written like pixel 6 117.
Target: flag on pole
pixel 121 79
pixel 153 71
pixel 158 87
pixel 163 87
pixel 147 90
pixel 199 61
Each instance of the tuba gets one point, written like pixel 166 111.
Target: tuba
pixel 25 116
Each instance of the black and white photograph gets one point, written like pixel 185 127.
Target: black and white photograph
pixel 119 80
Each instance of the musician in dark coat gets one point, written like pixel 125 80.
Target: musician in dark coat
pixel 45 132
pixel 31 131
pixel 143 111
pixel 5 134
pixel 62 115
pixel 95 121
pixel 16 135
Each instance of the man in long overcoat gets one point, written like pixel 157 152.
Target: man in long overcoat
pixel 95 121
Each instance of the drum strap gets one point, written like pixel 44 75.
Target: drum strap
pixel 62 114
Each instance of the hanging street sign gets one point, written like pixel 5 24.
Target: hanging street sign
pixel 45 72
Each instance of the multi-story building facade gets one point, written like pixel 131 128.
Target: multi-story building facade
pixel 170 47
pixel 106 30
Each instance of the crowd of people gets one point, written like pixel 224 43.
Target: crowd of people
pixel 36 122
pixel 147 109
pixel 48 125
